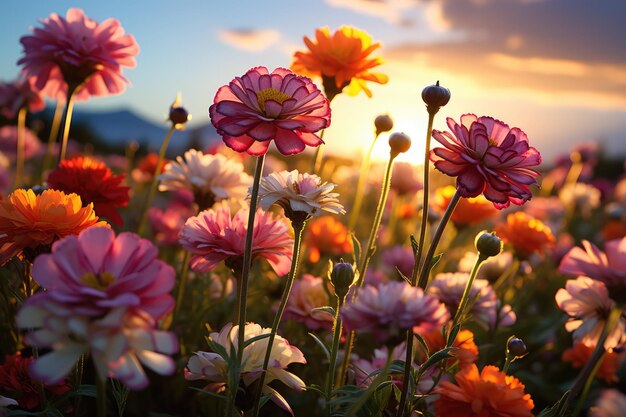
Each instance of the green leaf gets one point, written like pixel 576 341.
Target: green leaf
pixel 435 261
pixel 404 277
pixel 321 344
pixel 559 409
pixel 212 394
pixel 453 334
pixel 254 339
pixel 436 357
pixel 325 309
pixel 422 343
pixel 357 247
pixel 414 245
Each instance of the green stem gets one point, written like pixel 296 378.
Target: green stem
pixel 465 298
pixel 330 378
pixel 243 282
pixel 155 181
pixel 21 133
pixel 182 282
pixel 67 119
pixel 52 138
pixel 279 314
pixel 316 166
pixel 101 397
pixel 373 386
pixel 358 195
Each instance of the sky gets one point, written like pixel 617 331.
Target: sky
pixel 554 68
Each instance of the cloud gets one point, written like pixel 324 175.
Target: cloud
pixel 249 39
pixel 393 11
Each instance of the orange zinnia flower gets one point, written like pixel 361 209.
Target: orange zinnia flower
pixel 341 60
pixel 526 234
pixel 465 354
pixel 468 211
pixel 490 393
pixel 579 354
pixel 29 221
pixel 327 237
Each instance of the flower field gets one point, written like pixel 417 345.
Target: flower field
pixel 264 276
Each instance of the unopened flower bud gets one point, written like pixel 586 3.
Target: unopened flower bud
pixel 399 142
pixel 383 123
pixel 488 244
pixel 342 277
pixel 516 347
pixel 435 96
pixel 178 114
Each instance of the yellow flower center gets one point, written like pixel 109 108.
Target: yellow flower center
pixel 271 94
pixel 99 282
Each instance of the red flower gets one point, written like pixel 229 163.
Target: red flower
pixel 94 183
pixel 260 107
pixel 488 158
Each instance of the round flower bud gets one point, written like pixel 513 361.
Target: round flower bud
pixel 516 347
pixel 342 277
pixel 488 244
pixel 383 123
pixel 399 142
pixel 435 96
pixel 179 116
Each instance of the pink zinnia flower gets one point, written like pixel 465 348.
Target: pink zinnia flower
pixel 259 107
pixel 307 294
pixel 95 271
pixel 8 143
pixel 488 158
pixel 587 303
pixel 609 267
pixel 167 224
pixel 389 309
pixel 76 50
pixel 611 403
pixel 214 236
pixel 18 94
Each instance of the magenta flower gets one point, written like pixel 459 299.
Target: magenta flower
pixel 609 267
pixel 488 158
pixel 167 224
pixel 259 107
pixel 76 50
pixel 95 271
pixel 213 236
pixel 8 143
pixel 387 310
pixel 18 94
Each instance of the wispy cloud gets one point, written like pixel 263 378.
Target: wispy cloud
pixel 249 39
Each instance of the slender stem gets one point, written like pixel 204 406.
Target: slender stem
pixel 67 119
pixel 21 133
pixel 406 381
pixel 101 397
pixel 358 195
pixel 316 166
pixel 356 406
pixel 330 378
pixel 587 387
pixel 465 298
pixel 155 181
pixel 243 282
pixel 279 313
pixel 425 270
pixel 52 138
pixel 182 282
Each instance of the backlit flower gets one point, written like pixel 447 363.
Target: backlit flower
pixel 261 106
pixel 464 355
pixel 8 143
pixel 526 234
pixel 583 198
pixel 14 378
pixel 611 403
pixel 307 294
pixel 488 158
pixel 144 171
pixel 398 258
pixel 468 211
pixel 30 222
pixel 301 195
pixel 387 310
pixel 78 50
pixel 19 94
pixel 326 236
pixel 489 393
pixel 342 58
pixel 211 178
pixel 608 267
pixel 118 342
pixel 404 179
pixel 94 182
pixel 587 303
pixel 167 224
pixel 579 354
pixel 96 270
pixel 212 367
pixel 448 287
pixel 214 236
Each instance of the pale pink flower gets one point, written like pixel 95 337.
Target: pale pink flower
pixel 212 367
pixel 8 143
pixel 404 179
pixel 307 294
pixel 611 403
pixel 213 236
pixel 167 224
pixel 587 303
pixel 448 287
pixel 258 107
pixel 19 94
pixel 211 178
pixel 96 271
pixel 489 158
pixel 118 341
pixel 581 197
pixel 299 194
pixel 608 267
pixel 78 50
pixel 387 310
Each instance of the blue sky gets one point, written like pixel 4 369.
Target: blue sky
pixel 555 68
